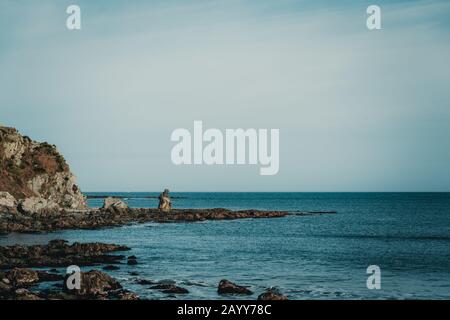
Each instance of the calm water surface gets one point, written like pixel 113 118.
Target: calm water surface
pixel 317 257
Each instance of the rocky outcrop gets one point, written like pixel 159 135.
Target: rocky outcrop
pixel 36 205
pixel 94 284
pixel 58 253
pixel 20 277
pixel 272 294
pixel 165 203
pixel 228 287
pixel 36 171
pixel 18 282
pixel 114 204
pixel 100 218
pixel 7 202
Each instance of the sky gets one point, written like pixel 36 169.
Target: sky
pixel 358 110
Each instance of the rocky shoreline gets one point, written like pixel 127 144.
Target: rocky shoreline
pixel 19 281
pixel 114 217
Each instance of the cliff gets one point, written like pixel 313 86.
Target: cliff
pixel 34 176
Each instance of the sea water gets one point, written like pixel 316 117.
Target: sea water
pixel 307 257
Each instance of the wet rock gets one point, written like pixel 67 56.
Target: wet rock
pixel 21 277
pixel 144 282
pixel 95 218
pixel 228 287
pixel 124 295
pixel 5 290
pixel 167 281
pixel 272 294
pixel 94 284
pixel 24 294
pixel 170 288
pixel 132 261
pixel 110 268
pixel 192 283
pixel 58 253
pixel 49 277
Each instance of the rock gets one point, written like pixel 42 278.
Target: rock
pixel 272 294
pixel 228 287
pixel 20 277
pixel 24 294
pixel 170 288
pixel 31 169
pixel 166 281
pixel 132 262
pixel 8 204
pixel 5 290
pixel 134 273
pixel 99 218
pixel 125 295
pixel 49 277
pixel 110 268
pixel 93 284
pixel 165 204
pixel 144 282
pixel 58 253
pixel 111 203
pixel 36 205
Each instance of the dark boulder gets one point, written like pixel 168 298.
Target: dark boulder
pixel 228 287
pixel 170 288
pixel 94 284
pixel 272 294
pixel 110 268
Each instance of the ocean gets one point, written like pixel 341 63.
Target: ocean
pixel 307 257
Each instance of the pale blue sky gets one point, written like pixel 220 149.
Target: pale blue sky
pixel 357 110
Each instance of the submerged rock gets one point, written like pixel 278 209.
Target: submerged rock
pixel 272 294
pixel 132 261
pixel 228 287
pixel 110 268
pixel 170 288
pixel 144 282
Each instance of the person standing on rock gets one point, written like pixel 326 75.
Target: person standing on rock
pixel 164 201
